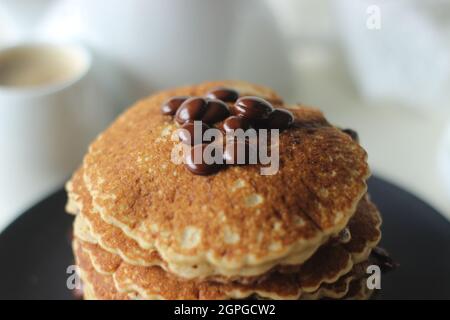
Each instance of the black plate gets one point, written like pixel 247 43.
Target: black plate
pixel 35 250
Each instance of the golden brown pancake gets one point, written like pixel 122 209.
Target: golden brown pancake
pixel 327 274
pixel 364 228
pixel 151 284
pixel 236 222
pixel 147 228
pixel 342 288
pixel 105 291
pixel 110 237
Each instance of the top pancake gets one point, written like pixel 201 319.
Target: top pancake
pixel 237 218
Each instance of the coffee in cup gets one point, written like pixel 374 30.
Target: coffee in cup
pixel 39 65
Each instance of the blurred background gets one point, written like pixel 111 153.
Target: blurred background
pixel 380 67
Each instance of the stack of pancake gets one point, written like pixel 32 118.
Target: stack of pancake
pixel 147 228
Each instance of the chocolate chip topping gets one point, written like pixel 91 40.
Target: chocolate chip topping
pixel 352 133
pixel 187 134
pixel 234 122
pixel 344 236
pixel 384 260
pixel 216 111
pixel 200 168
pixel 224 94
pixel 250 112
pixel 280 119
pixel 171 106
pixel 253 108
pixel 192 109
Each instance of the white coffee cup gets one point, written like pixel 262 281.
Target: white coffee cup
pixel 46 120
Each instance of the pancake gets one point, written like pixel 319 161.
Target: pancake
pixel 321 276
pixel 344 287
pixel 364 228
pixel 90 277
pixel 358 291
pixel 236 222
pixel 147 228
pixel 111 238
pixel 156 284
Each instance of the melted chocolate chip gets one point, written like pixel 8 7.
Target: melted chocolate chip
pixel 280 119
pixel 200 168
pixel 386 263
pixel 187 134
pixel 352 133
pixel 344 236
pixel 233 123
pixel 224 94
pixel 253 108
pixel 216 111
pixel 240 153
pixel 171 106
pixel 191 110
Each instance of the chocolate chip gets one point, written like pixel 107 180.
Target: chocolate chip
pixel 192 109
pixel 187 133
pixel 200 168
pixel 216 111
pixel 234 122
pixel 280 119
pixel 253 108
pixel 384 260
pixel 171 106
pixel 224 94
pixel 352 133
pixel 344 236
pixel 240 153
